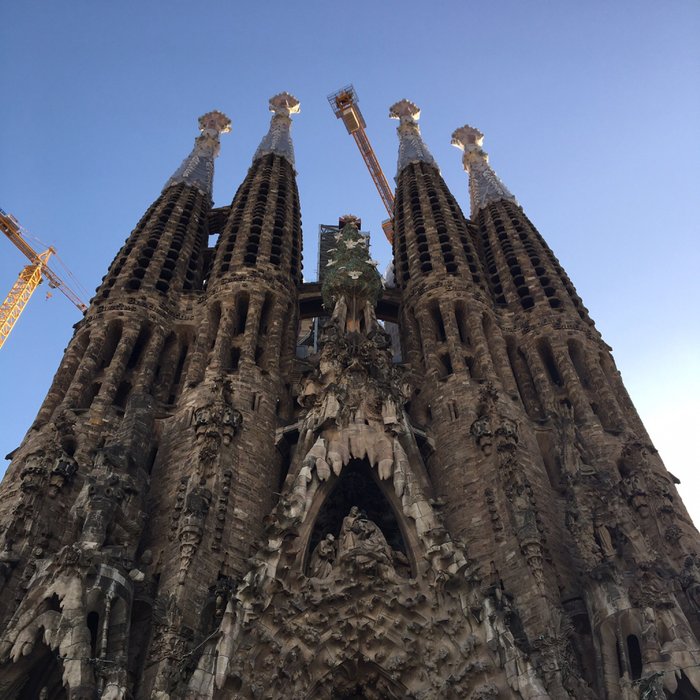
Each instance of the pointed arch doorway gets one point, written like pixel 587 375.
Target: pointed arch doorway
pixel 358 487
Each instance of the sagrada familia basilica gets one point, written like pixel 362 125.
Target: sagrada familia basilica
pixel 448 496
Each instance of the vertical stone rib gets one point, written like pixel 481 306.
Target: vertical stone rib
pixel 453 341
pixel 146 372
pixel 64 376
pixel 86 371
pixel 582 407
pixel 114 373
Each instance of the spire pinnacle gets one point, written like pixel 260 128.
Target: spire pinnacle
pixel 484 185
pixel 197 170
pixel 411 146
pixel 278 139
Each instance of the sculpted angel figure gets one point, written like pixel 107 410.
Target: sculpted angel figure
pixel 323 557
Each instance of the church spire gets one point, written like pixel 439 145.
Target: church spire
pixel 278 138
pixel 485 186
pixel 411 146
pixel 197 170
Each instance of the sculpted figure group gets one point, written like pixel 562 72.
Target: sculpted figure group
pixel 361 545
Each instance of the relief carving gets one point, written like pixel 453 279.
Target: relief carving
pixel 215 423
pixel 197 504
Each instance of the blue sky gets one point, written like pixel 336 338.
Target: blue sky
pixel 590 111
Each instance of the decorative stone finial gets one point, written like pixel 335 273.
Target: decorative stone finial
pixel 216 122
pixel 197 170
pixel 484 185
pixel 411 146
pixel 278 139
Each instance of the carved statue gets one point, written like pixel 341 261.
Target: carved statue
pixel 481 430
pixel 109 508
pixel 362 541
pixel 63 472
pixel 202 416
pixel 571 449
pixel 323 557
pixel 690 580
pixel 605 541
pixel 8 560
pixel 100 502
pixel 633 466
pixel 348 536
pixel 231 418
pixel 32 477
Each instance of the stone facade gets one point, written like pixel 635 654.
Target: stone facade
pixel 198 513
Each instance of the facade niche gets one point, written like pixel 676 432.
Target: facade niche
pixel 579 363
pixel 446 368
pixel 122 395
pixel 357 487
pixel 89 395
pixel 241 313
pixel 214 321
pixel 139 345
pixel 460 318
pixel 634 656
pixel 45 675
pixel 438 323
pixel 523 379
pixel 174 389
pixel 109 346
pixel 550 363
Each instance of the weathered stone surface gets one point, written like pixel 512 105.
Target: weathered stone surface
pixel 198 514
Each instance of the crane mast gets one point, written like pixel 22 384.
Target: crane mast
pixel 344 104
pixel 29 278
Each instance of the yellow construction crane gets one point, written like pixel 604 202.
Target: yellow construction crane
pixel 344 104
pixel 29 279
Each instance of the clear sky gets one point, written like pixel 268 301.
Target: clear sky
pixel 591 113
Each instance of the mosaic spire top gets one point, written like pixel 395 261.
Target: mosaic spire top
pixel 197 170
pixel 485 187
pixel 278 138
pixel 411 146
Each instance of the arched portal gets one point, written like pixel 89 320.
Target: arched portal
pixel 358 486
pixel 37 675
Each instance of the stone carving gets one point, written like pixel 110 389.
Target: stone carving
pixel 215 423
pixel 690 580
pixel 363 546
pixel 62 474
pixel 197 504
pixel 8 560
pixel 223 591
pixel 481 430
pixel 179 506
pixel 496 522
pixel 32 478
pixel 222 508
pixel 520 673
pixel 633 466
pixel 305 629
pixel 572 453
pixel 494 429
pixel 323 557
pixel 109 509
